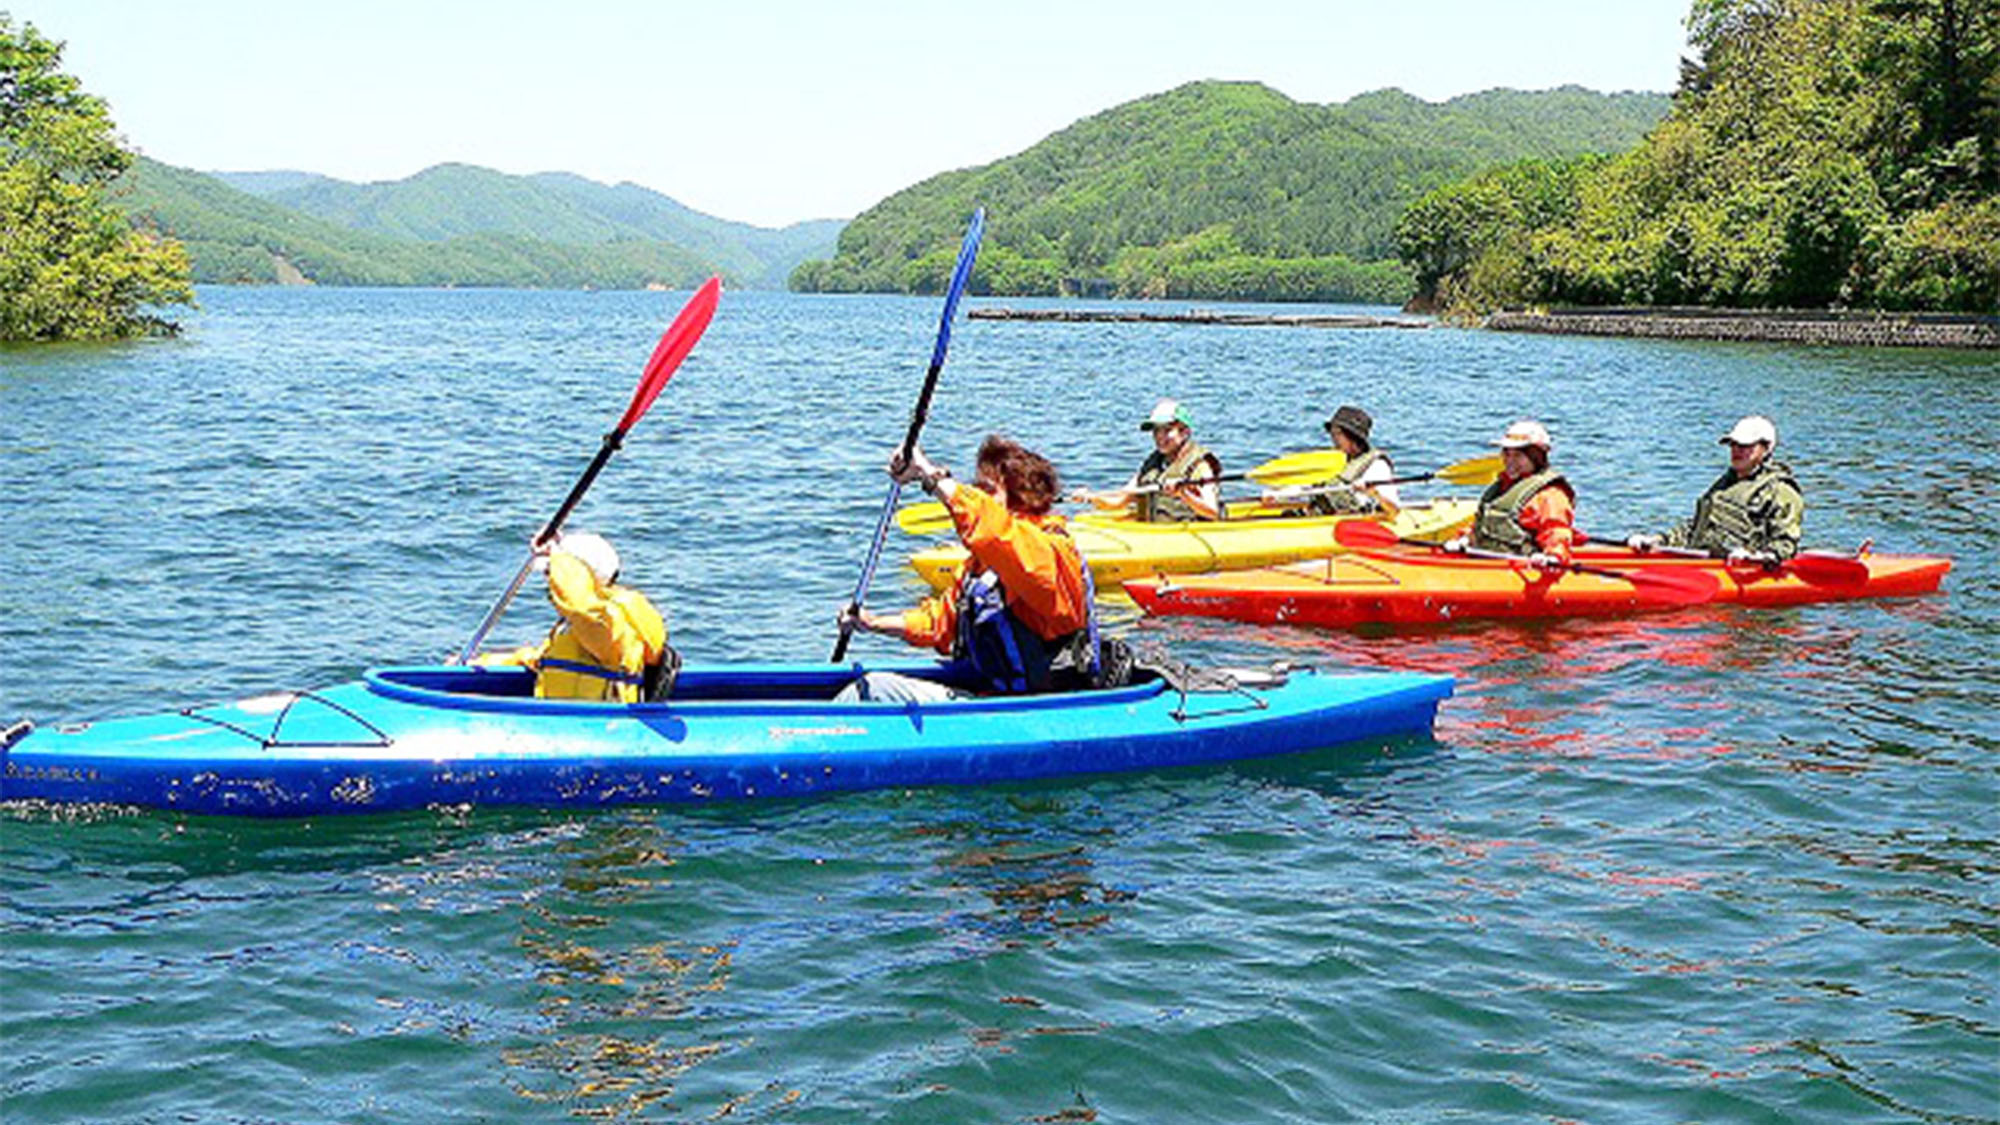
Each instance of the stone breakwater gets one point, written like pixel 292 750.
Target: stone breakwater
pixel 1195 316
pixel 1870 329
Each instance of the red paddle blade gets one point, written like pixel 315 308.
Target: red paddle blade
pixel 1829 570
pixel 674 346
pixel 1363 534
pixel 1672 585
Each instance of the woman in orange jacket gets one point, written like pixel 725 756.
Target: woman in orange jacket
pixel 1018 619
pixel 1531 509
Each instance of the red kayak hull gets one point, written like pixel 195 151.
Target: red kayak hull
pixel 1398 586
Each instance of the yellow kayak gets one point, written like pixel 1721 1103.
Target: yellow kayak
pixel 1119 547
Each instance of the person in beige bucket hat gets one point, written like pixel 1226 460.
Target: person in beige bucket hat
pixel 1364 485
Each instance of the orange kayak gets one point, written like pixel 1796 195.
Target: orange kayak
pixel 1413 586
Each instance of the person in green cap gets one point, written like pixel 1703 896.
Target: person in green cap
pixel 1177 481
pixel 1754 512
pixel 1362 486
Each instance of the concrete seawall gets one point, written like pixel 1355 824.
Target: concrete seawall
pixel 1863 329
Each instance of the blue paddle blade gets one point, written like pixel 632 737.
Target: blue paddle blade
pixel 960 274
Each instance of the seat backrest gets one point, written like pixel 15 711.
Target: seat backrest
pixel 656 683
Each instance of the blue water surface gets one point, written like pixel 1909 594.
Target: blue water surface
pixel 1713 865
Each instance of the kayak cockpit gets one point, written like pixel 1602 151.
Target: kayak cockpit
pixel 758 686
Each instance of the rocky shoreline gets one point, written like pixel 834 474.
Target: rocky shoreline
pixel 1841 329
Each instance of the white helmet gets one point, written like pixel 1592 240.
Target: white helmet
pixel 1752 429
pixel 1523 434
pixel 594 551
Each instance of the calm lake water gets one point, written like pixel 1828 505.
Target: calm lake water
pixel 1718 865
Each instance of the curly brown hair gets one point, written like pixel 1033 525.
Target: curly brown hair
pixel 1032 484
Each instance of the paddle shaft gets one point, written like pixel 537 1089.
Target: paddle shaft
pixel 1314 490
pixel 874 558
pixel 1634 577
pixel 1357 486
pixel 1198 482
pixel 1479 470
pixel 675 343
pixel 1262 471
pixel 1698 553
pixel 549 531
pixel 1476 471
pixel 929 520
pixel 960 275
pixel 1363 533
pixel 1821 568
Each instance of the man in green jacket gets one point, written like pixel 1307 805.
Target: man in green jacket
pixel 1754 512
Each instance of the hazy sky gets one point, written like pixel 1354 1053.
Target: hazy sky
pixel 771 111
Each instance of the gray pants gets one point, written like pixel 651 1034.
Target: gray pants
pixel 894 687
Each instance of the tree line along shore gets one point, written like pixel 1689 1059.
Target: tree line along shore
pixel 1832 166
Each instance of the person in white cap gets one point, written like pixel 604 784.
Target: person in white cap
pixel 1754 512
pixel 609 637
pixel 1177 481
pixel 1531 509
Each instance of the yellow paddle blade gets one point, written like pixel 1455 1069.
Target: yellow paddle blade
pixel 1479 470
pixel 926 518
pixel 1314 466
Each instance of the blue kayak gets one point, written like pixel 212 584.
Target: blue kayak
pixel 412 737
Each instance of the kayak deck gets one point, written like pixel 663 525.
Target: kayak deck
pixel 1420 587
pixel 415 737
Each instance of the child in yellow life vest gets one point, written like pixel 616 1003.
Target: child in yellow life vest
pixel 608 635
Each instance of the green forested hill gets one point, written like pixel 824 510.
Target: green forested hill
pixel 1819 153
pixel 456 200
pixel 232 236
pixel 1502 125
pixel 1224 189
pixel 455 225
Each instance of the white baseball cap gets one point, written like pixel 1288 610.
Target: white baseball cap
pixel 1752 429
pixel 594 551
pixel 1524 433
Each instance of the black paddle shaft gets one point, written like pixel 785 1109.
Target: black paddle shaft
pixel 922 412
pixel 612 441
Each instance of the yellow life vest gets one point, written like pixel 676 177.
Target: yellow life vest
pixel 1352 500
pixel 601 647
pixel 566 669
pixel 1192 463
pixel 1496 524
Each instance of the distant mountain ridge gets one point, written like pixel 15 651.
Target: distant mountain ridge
pixel 1212 189
pixel 449 201
pixel 1223 189
pixel 456 224
pixel 263 185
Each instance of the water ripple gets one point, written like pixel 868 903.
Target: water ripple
pixel 1717 864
